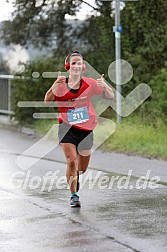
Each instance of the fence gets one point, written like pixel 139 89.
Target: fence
pixel 5 94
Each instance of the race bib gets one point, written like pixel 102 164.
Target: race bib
pixel 78 115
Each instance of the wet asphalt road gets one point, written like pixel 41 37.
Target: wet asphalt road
pixel 35 213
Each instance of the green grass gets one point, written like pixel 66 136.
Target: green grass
pixel 132 136
pixel 43 126
pixel 137 138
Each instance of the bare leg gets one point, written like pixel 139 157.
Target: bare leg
pixel 83 160
pixel 70 152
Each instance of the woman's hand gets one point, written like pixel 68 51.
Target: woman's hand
pixel 101 82
pixel 60 81
pixel 108 90
pixel 50 94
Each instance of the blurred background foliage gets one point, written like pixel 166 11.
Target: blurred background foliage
pixel 48 24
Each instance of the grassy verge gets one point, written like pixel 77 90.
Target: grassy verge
pixel 132 137
pixel 138 138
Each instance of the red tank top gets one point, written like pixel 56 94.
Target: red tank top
pixel 75 106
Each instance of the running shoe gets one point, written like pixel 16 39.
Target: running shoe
pixel 74 201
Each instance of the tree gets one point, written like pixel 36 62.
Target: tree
pixel 3 66
pixel 97 36
pixel 27 88
pixel 40 24
pixel 143 39
pixel 44 23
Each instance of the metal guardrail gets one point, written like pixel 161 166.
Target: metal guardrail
pixel 5 94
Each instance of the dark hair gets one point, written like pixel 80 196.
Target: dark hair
pixel 68 58
pixel 75 53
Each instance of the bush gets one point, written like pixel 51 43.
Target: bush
pixel 156 106
pixel 27 88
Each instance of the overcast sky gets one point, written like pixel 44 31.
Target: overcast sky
pixel 7 8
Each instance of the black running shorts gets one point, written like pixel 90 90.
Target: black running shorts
pixel 82 139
